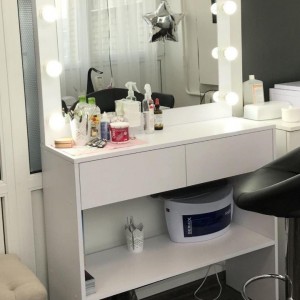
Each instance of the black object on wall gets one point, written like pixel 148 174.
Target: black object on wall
pixel 270 41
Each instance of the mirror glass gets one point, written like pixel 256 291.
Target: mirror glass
pixel 113 37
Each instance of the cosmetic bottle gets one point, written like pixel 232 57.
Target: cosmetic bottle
pixel 253 91
pixel 148 110
pixel 94 119
pixel 158 116
pixel 104 124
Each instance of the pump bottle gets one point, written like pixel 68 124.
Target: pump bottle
pixel 132 110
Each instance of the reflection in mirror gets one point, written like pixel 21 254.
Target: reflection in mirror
pixel 113 37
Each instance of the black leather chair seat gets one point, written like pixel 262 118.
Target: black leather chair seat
pixel 273 189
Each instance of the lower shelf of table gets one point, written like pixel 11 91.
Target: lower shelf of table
pixel 117 270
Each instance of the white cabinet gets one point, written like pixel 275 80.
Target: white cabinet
pixel 76 184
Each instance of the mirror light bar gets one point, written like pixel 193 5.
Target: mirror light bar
pixel 229 8
pixel 230 53
pixel 49 13
pixel 53 68
pixel 231 98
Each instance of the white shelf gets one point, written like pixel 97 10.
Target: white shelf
pixel 117 270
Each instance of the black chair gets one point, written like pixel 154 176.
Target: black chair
pixel 275 190
pixel 64 107
pixel 165 100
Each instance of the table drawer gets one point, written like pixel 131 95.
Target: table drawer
pixel 130 176
pixel 225 157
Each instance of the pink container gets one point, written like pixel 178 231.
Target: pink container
pixel 119 132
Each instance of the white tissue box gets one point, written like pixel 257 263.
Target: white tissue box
pixel 264 111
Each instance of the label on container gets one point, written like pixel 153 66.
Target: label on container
pixel 258 93
pixel 105 131
pixel 95 126
pixel 203 224
pixel 158 121
pixel 119 135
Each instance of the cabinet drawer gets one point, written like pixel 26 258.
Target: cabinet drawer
pixel 227 157
pixel 130 176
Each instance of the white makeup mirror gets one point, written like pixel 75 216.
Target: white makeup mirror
pixel 113 36
pixel 230 72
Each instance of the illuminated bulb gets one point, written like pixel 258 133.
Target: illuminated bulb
pixel 214 9
pixel 229 7
pixel 49 13
pixel 230 53
pixel 216 96
pixel 215 53
pixel 231 98
pixel 56 121
pixel 54 68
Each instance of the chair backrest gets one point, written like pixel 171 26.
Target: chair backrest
pixel 166 100
pixel 64 106
pixel 105 99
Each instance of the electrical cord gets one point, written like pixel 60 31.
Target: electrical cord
pixel 203 281
pixel 111 84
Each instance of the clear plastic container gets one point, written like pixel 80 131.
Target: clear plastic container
pixel 79 123
pixel 94 114
pixel 253 90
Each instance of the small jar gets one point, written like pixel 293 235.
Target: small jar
pixel 119 132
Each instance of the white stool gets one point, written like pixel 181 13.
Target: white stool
pixel 17 282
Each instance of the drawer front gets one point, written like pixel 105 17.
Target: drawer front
pixel 131 176
pixel 227 157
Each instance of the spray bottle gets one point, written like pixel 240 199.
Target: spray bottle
pixel 132 110
pixel 131 86
pixel 148 110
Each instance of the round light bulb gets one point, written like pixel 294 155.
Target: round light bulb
pixel 230 53
pixel 214 8
pixel 216 96
pixel 232 98
pixel 229 7
pixel 56 121
pixel 215 53
pixel 53 68
pixel 49 13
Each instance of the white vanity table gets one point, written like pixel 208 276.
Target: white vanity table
pixel 180 155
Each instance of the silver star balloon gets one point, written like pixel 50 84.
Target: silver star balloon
pixel 163 23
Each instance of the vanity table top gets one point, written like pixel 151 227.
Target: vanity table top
pixel 170 136
pixel 281 125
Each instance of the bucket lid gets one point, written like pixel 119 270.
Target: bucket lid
pixel 204 193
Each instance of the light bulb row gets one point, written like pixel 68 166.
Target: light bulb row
pixel 228 7
pixel 231 98
pixel 49 14
pixel 230 53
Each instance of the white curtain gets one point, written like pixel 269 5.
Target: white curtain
pixel 111 36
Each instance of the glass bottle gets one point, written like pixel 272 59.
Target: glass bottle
pixel 158 116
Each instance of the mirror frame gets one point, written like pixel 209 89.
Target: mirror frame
pixel 230 73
